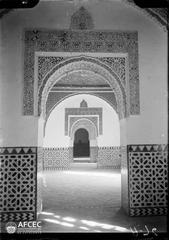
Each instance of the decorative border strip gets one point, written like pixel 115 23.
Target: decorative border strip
pixel 56 168
pixel 17 216
pixel 147 147
pixel 109 167
pixel 17 150
pixel 135 212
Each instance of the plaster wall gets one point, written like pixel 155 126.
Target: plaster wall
pixel 149 127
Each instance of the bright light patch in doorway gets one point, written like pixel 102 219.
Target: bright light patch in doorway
pixel 67 224
pixel 52 221
pixel 60 223
pixel 47 213
pixel 84 228
pixel 69 219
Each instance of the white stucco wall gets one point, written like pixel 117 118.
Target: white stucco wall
pixel 55 126
pixel 149 127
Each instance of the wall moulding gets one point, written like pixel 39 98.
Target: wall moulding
pixel 89 41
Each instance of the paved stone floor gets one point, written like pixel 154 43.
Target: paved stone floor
pixel 87 199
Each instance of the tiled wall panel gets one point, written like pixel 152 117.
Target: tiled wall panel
pixel 109 157
pixel 56 158
pixel 18 187
pixel 144 166
pixel 148 179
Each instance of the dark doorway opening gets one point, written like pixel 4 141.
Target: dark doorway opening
pixel 81 147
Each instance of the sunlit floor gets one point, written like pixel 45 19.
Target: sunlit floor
pixel 87 199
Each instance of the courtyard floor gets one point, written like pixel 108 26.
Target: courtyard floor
pixel 87 199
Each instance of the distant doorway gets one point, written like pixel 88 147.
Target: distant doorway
pixel 81 146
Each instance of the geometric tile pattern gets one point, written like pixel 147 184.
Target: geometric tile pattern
pixel 148 211
pixel 17 216
pixel 81 41
pixel 18 185
pixel 56 158
pixel 109 157
pixel 148 177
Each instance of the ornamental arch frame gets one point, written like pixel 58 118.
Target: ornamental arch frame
pixel 90 127
pixel 83 63
pixel 86 124
pixel 77 63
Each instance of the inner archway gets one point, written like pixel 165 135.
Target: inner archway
pixel 103 124
pixel 91 119
pixel 81 147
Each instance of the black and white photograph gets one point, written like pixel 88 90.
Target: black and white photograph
pixel 83 118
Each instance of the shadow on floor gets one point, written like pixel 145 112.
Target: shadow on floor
pixel 142 223
pixel 88 200
pixel 63 221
